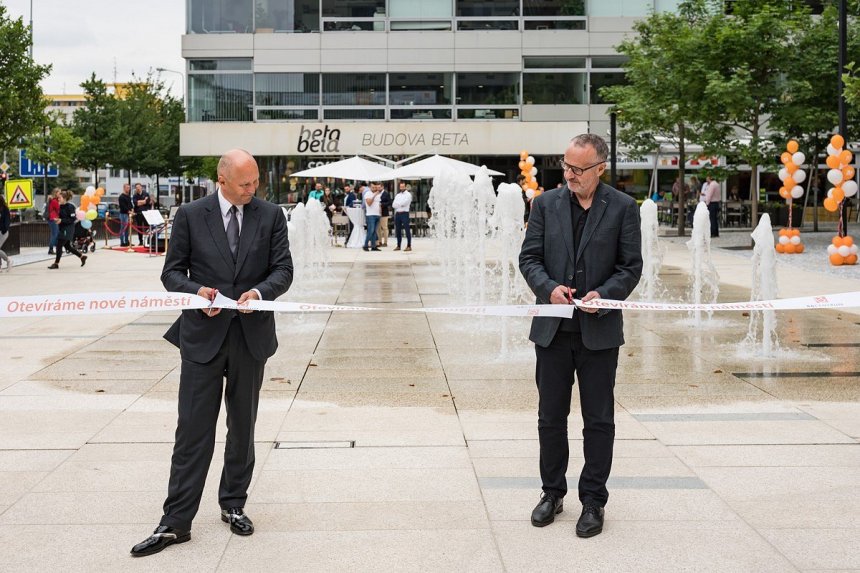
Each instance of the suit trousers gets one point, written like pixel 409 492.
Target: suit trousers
pixel 595 371
pixel 200 387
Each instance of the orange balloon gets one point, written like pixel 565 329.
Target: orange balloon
pixel 846 157
pixel 790 248
pixel 847 240
pixel 100 191
pixel 85 201
pixel 791 167
pixel 798 248
pixel 792 146
pixel 832 161
pixel 836 259
pixel 784 193
pixel 789 183
pixel 836 241
pixel 785 158
pixel 783 232
pixel 850 260
pixel 533 184
pixel 848 172
pixel 838 194
pixel 95 200
pixel 522 165
pixel 794 232
pixel 830 204
pixel 780 248
pixel 837 141
pixel 524 154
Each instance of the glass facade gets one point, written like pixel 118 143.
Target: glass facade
pixel 554 88
pixel 220 16
pixel 220 90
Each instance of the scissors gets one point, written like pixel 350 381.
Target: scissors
pixel 212 301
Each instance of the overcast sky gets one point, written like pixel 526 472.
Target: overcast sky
pixel 83 36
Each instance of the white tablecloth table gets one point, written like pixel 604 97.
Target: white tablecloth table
pixel 356 217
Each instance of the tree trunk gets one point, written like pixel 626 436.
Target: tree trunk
pixel 682 199
pixel 157 192
pixel 753 196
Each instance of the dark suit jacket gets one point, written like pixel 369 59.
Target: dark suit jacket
pixel 199 256
pixel 610 245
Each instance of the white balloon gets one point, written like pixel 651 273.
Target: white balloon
pixel 834 176
pixel 830 193
pixel 853 249
pixel 530 192
pixel 530 160
pixel 795 240
pixel 796 192
pixel 783 174
pixel 844 250
pixel 832 150
pixel 533 171
pixel 783 240
pixel 850 188
pixel 831 249
pixel 90 191
pixel 799 176
pixel 799 158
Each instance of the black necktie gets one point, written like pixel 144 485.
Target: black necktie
pixel 233 232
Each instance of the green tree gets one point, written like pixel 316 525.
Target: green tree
pixel 748 58
pixel 22 103
pixel 55 144
pixel 661 101
pixel 98 127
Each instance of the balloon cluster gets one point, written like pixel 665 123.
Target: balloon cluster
pixel 88 211
pixel 529 171
pixel 791 176
pixel 842 251
pixel 841 174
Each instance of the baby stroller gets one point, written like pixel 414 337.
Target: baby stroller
pixel 85 239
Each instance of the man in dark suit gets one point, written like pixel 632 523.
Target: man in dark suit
pixel 583 241
pixel 235 244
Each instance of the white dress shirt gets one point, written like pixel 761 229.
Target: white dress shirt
pixel 225 218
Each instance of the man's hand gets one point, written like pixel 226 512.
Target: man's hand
pixel 560 295
pixel 246 296
pixel 209 294
pixel 591 295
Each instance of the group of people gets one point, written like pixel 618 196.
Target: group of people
pixel 708 192
pixel 378 206
pixel 583 243
pixel 62 222
pixel 133 205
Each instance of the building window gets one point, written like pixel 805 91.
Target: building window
pixel 482 8
pixel 604 62
pixel 493 113
pixel 353 8
pixel 554 88
pixel 618 8
pixel 555 7
pixel 488 88
pixel 220 90
pixel 598 80
pixel 265 114
pixel 287 16
pixel 353 113
pixel 420 14
pixel 287 89
pixel 420 113
pixel 553 62
pixel 420 89
pixel 220 16
pixel 353 89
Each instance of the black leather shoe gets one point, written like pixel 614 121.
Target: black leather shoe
pixel 590 522
pixel 160 538
pixel 240 524
pixel 544 512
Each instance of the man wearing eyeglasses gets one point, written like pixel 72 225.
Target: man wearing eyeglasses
pixel 583 242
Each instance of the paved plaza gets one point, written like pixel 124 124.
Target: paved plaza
pixel 408 441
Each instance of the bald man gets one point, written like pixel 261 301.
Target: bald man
pixel 235 244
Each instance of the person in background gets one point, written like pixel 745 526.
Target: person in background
pixel 330 203
pixel 53 215
pixel 317 193
pixel 402 202
pixel 349 200
pixel 126 208
pixel 142 202
pixel 385 205
pixel 711 196
pixel 66 221
pixel 373 208
pixel 5 225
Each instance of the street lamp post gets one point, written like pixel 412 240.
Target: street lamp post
pixel 185 106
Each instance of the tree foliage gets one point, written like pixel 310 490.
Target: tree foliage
pixel 22 103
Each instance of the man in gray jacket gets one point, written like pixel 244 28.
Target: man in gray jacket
pixel 583 241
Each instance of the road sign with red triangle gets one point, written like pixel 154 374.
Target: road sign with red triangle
pixel 19 193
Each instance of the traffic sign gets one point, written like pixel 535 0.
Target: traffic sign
pixel 19 193
pixel 27 168
pixel 4 167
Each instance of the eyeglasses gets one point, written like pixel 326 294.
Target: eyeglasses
pixel 577 170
